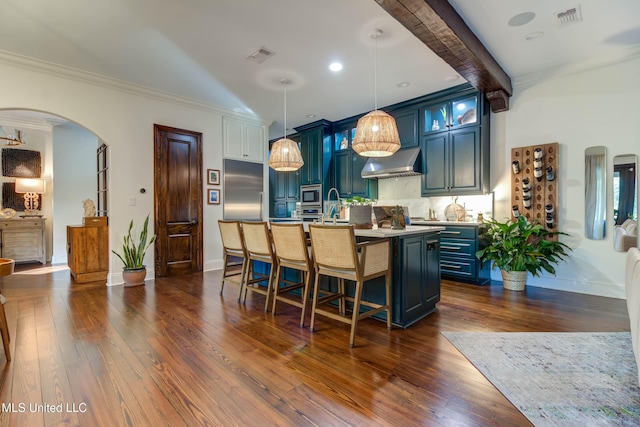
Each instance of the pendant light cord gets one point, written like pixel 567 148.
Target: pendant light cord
pixel 375 71
pixel 285 82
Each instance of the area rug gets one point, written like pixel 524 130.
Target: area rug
pixel 559 379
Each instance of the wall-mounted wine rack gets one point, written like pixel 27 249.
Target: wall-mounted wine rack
pixel 536 166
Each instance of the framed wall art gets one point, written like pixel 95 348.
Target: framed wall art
pixel 213 196
pixel 213 177
pixel 21 163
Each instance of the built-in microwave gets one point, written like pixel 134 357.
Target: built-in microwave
pixel 311 195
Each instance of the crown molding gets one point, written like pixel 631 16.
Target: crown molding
pixel 57 70
pixel 23 123
pixel 578 67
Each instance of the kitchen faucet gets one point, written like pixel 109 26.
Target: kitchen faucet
pixel 337 208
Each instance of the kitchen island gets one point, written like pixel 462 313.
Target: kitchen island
pixel 415 272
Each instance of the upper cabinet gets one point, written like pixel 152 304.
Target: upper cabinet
pixel 455 146
pixel 408 123
pixel 243 140
pixel 343 136
pixel 451 114
pixel 315 145
pixel 284 190
pixel 347 164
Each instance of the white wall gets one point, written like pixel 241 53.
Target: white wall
pixel 123 116
pixel 579 110
pixel 74 180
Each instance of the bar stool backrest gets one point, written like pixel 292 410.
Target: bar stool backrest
pixel 290 242
pixel 334 246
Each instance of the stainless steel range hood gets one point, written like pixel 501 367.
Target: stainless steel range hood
pixel 405 162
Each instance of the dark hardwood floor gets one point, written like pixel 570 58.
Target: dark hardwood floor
pixel 175 352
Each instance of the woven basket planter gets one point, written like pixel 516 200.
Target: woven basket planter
pixel 514 280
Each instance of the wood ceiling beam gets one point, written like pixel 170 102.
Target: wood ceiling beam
pixel 438 25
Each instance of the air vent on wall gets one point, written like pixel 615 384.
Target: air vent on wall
pixel 569 16
pixel 260 55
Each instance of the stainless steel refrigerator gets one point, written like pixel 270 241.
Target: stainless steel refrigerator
pixel 243 190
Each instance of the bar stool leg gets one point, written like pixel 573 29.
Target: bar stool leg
pixel 356 312
pixel 387 279
pixel 305 295
pixel 316 288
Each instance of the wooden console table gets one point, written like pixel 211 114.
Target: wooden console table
pixel 23 239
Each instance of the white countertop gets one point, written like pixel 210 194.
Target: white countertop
pixel 387 232
pixel 445 223
pixel 379 232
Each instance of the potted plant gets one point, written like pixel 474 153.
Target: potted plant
pixel 518 247
pixel 132 256
pixel 360 211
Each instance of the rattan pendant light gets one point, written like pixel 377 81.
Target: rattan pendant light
pixel 376 132
pixel 285 153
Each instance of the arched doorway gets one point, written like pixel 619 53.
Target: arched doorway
pixel 68 155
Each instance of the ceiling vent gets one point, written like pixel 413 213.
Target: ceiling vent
pixel 569 16
pixel 260 55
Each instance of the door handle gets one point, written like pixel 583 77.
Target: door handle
pixel 193 222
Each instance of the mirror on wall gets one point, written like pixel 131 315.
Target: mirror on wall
pixel 625 202
pixel 595 192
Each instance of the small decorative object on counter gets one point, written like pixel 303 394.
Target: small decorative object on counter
pixel 480 217
pixel 550 174
pixel 396 214
pixel 515 165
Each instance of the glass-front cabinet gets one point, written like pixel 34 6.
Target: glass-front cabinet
pixel 449 115
pixel 343 137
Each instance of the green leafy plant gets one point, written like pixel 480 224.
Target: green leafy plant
pixel 521 246
pixel 358 201
pixel 133 253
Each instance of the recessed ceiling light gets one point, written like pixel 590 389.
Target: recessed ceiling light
pixel 335 67
pixel 521 19
pixel 311 116
pixel 533 36
pixel 452 78
pixel 403 84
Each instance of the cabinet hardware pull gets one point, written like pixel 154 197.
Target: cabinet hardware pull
pixel 457 267
pixel 451 232
pixel 453 248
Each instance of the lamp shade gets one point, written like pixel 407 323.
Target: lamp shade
pixel 285 156
pixel 30 185
pixel 376 135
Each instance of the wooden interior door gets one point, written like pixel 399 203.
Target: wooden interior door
pixel 178 201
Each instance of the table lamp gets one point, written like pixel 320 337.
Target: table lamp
pixel 32 188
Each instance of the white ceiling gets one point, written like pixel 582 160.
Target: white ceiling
pixel 197 48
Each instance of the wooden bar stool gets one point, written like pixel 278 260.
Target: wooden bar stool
pixel 6 268
pixel 233 248
pixel 336 254
pixel 292 251
pixel 257 241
